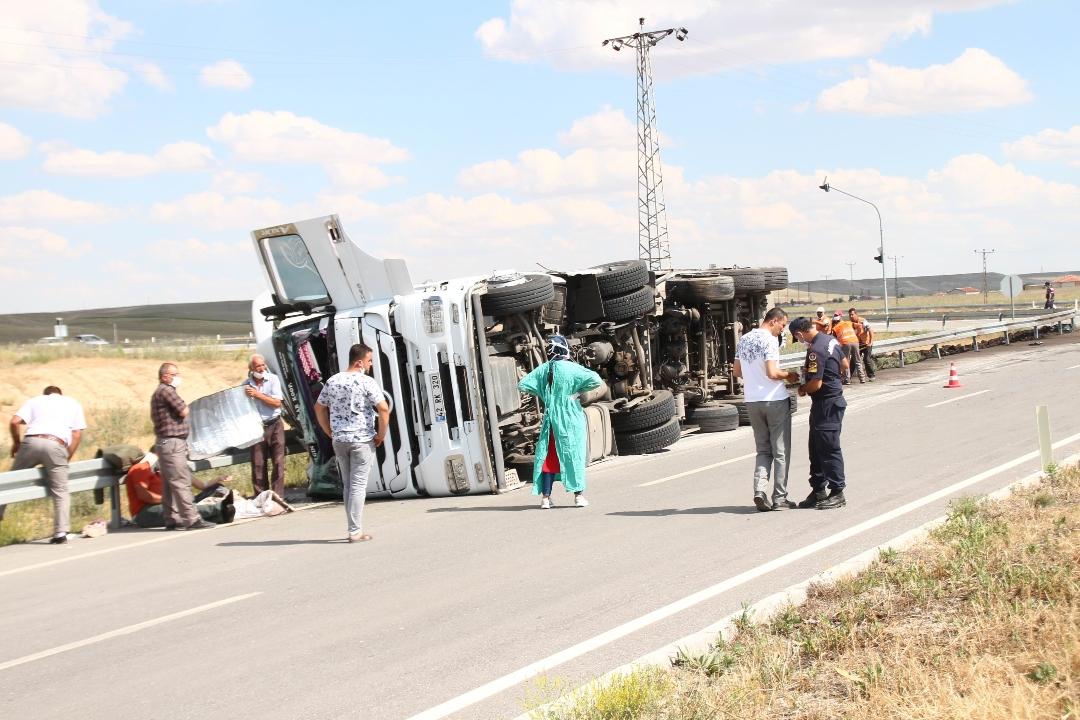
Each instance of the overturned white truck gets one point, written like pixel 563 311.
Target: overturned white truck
pixel 449 356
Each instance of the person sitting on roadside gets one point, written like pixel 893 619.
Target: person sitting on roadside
pixel 821 321
pixel 144 490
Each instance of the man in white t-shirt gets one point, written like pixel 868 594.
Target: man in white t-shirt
pixel 54 426
pixel 757 362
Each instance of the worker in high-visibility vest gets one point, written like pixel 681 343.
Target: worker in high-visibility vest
pixel 866 342
pixel 844 332
pixel 821 321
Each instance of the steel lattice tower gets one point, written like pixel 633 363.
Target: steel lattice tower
pixel 653 243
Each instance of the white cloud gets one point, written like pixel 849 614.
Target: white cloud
pixel 218 212
pixel 44 205
pixel 18 243
pixel 351 159
pixel 200 250
pixel 1048 145
pixel 13 144
pixel 154 76
pixel 567 33
pixel 174 157
pixel 608 128
pixel 234 182
pixel 227 74
pixel 974 81
pixel 976 181
pixel 34 74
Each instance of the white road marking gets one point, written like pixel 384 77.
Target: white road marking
pixel 697 470
pixel 163 537
pixel 533 669
pixel 1072 367
pixel 122 631
pixel 803 420
pixel 959 397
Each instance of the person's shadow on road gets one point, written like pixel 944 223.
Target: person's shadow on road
pixel 729 509
pixel 269 543
pixel 485 508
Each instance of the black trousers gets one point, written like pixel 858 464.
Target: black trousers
pixel 826 458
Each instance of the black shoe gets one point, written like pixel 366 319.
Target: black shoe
pixel 201 524
pixel 228 509
pixel 58 539
pixel 784 505
pixel 835 500
pixel 812 500
pixel 171 526
pixel 761 502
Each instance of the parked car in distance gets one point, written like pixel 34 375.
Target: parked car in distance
pixel 91 340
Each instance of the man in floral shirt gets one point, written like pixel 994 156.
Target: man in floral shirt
pixel 346 411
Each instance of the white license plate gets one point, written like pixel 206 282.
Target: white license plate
pixel 438 403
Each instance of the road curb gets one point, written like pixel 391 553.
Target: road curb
pixel 763 610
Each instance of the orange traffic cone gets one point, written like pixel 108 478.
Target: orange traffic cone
pixel 954 377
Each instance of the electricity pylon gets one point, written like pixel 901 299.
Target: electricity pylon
pixel 653 243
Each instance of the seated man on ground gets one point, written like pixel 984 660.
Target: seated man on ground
pixel 214 503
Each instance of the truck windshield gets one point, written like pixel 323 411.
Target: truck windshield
pixel 294 271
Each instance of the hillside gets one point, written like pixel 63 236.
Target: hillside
pixel 918 285
pixel 229 318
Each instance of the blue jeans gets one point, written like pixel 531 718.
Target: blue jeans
pixel 547 480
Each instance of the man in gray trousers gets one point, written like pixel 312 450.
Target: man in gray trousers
pixel 346 411
pixel 757 362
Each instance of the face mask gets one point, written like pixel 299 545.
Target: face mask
pixel 258 375
pixel 175 382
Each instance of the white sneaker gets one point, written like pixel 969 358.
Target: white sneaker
pixel 545 504
pixel 580 501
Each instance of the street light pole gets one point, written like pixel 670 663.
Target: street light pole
pixel 881 237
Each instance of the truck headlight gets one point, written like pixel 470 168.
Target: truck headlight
pixel 432 312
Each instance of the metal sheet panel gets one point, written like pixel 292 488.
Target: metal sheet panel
pixel 226 419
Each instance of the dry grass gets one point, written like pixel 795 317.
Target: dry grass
pixel 980 621
pixel 1063 299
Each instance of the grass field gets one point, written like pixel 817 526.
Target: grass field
pixel 1064 299
pixel 982 620
pixel 114 390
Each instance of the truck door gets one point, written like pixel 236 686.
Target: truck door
pixel 313 264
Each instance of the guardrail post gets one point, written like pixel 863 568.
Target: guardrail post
pixel 1001 316
pixel 937 351
pixel 975 343
pixel 944 318
pixel 1061 330
pixel 900 356
pixel 114 500
pixel 1042 423
pixel 1036 331
pixel 1007 338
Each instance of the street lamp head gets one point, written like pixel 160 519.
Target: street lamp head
pixel 825 185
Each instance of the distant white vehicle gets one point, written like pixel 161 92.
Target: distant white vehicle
pixel 91 340
pixel 53 340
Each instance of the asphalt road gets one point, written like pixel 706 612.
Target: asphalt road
pixel 458 603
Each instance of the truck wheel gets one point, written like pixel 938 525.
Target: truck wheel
pixel 630 306
pixel 694 288
pixel 513 294
pixel 639 442
pixel 747 280
pixel 654 410
pixel 776 278
pixel 740 406
pixel 716 418
pixel 621 277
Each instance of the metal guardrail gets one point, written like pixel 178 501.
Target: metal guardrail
pixel 936 339
pixel 20 485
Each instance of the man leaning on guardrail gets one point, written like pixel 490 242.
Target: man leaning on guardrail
pixel 54 426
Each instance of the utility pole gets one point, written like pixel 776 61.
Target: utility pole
pixel 986 288
pixel 851 278
pixel 827 287
pixel 896 276
pixel 654 246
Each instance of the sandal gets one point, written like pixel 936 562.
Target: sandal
pixel 359 538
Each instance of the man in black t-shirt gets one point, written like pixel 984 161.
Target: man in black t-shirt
pixel 823 371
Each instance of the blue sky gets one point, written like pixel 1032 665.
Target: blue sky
pixel 141 142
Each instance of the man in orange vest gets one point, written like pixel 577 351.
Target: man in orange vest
pixel 866 341
pixel 844 332
pixel 821 322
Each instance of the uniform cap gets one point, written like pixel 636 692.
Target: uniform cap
pixel 821 309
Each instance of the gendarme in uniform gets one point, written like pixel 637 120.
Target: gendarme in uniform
pixel 823 362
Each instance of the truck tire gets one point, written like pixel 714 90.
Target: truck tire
pixel 621 277
pixel 716 418
pixel 740 406
pixel 654 410
pixel 702 288
pixel 517 294
pixel 631 305
pixel 747 280
pixel 776 278
pixel 639 442
pixel 554 313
